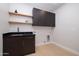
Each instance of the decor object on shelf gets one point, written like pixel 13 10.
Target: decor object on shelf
pixel 16 11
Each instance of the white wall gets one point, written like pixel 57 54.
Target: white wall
pixel 41 32
pixel 4 17
pixel 66 31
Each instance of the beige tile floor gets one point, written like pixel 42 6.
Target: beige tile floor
pixel 51 50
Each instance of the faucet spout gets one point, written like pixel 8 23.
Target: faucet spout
pixel 18 29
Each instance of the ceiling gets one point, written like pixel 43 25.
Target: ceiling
pixel 46 6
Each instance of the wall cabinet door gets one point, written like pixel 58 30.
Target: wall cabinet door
pixel 35 17
pixel 52 21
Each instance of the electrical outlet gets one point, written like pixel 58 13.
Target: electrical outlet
pixel 48 38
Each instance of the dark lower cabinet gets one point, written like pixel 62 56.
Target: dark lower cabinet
pixel 18 45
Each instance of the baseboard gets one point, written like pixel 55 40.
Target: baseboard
pixel 66 48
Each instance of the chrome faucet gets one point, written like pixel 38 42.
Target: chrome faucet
pixel 18 29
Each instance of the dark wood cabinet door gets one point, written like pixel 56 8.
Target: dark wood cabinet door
pixel 14 46
pixel 38 17
pixel 52 21
pixel 28 45
pixel 35 17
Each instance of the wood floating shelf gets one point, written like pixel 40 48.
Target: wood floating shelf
pixel 19 14
pixel 15 22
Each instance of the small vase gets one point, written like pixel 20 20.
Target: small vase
pixel 16 11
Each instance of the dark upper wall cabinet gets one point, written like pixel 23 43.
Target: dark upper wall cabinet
pixel 43 18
